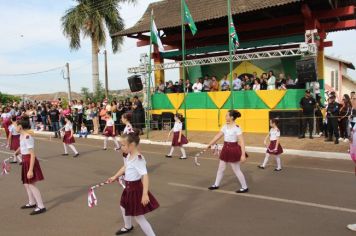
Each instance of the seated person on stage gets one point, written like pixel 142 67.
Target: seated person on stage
pixel 224 84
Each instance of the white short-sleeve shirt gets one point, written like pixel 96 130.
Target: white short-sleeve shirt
pixel 128 129
pixel 230 134
pixel 68 127
pixel 26 143
pixel 178 126
pixel 12 130
pixel 274 134
pixel 6 115
pixel 135 168
pixel 110 122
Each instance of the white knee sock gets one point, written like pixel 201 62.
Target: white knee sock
pixel 65 148
pixel 171 152
pixel 31 198
pixel 73 148
pixel 19 158
pixel 278 160
pixel 105 142
pixel 127 219
pixel 220 173
pixel 266 160
pixel 183 152
pixel 145 226
pixel 116 143
pixel 240 176
pixel 37 195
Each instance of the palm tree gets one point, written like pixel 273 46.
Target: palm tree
pixel 91 18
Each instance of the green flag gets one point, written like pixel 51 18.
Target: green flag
pixel 233 36
pixel 189 19
pixel 155 36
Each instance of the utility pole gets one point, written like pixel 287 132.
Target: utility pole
pixel 68 80
pixel 106 75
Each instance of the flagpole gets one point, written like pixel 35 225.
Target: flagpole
pixel 149 80
pixel 230 51
pixel 183 67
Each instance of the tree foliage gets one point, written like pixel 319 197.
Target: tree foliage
pixel 7 98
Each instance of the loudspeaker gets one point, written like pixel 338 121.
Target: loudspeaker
pixel 289 122
pixel 306 70
pixel 135 83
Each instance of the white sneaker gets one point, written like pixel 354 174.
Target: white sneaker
pixel 183 158
pixel 351 227
pixel 346 140
pixel 321 133
pixel 341 139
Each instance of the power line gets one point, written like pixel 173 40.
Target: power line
pixel 32 73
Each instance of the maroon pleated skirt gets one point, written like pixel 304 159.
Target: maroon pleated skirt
pixel 5 124
pixel 15 142
pixel 231 152
pixel 175 142
pixel 131 199
pixel 109 131
pixel 37 172
pixel 272 146
pixel 67 139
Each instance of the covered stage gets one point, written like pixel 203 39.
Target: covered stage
pixel 273 35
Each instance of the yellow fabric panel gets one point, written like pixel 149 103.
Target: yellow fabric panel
pixel 176 99
pixel 219 98
pixel 159 112
pixel 247 67
pixel 202 119
pixel 320 64
pixel 271 97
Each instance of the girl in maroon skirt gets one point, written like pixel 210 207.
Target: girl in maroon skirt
pixel 110 132
pixel 14 140
pixel 178 138
pixel 136 200
pixel 274 147
pixel 125 119
pixel 231 152
pixel 68 137
pixel 31 170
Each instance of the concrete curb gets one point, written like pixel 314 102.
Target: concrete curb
pixel 294 152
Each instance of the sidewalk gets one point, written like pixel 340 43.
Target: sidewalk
pixel 316 147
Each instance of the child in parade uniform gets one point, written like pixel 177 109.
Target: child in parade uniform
pixel 68 137
pixel 178 138
pixel 110 132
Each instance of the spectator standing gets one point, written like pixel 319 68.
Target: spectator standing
pixel 307 103
pixel 214 84
pixel 345 113
pixel 236 83
pixel 44 117
pixel 89 118
pixel 138 115
pixel 170 87
pixel 53 117
pixel 188 86
pixel 316 89
pixel 224 84
pixel 271 82
pixel 290 81
pixel 95 114
pixel 332 113
pixel 161 87
pixel 128 104
pixel 263 82
pixel 198 86
pixel 179 87
pixel 256 85
pixel 207 84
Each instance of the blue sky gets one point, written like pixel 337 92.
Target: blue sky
pixel 32 40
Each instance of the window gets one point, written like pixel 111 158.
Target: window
pixel 332 79
pixel 336 80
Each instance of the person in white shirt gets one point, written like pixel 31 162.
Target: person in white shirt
pixel 207 84
pixel 236 83
pixel 198 86
pixel 136 199
pixel 224 84
pixel 232 152
pixel 178 138
pixel 274 147
pixel 68 137
pixel 110 132
pixel 271 82
pixel 290 81
pixel 315 86
pixel 14 140
pixel 256 85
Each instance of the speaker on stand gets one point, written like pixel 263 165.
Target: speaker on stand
pixel 306 70
pixel 135 83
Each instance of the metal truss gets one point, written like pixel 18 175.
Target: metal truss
pixel 302 49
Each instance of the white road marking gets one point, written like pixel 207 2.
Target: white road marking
pixel 274 199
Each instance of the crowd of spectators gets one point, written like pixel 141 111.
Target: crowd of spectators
pixel 88 117
pixel 267 81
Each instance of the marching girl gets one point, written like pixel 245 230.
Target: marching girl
pixel 125 119
pixel 274 147
pixel 232 152
pixel 109 131
pixel 136 200
pixel 178 138
pixel 14 140
pixel 6 121
pixel 68 137
pixel 31 170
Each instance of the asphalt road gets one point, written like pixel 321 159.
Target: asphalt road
pixel 309 197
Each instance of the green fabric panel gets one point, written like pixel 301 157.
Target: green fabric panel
pixel 291 99
pixel 289 66
pixel 160 101
pixel 194 73
pixel 245 100
pixel 249 44
pixel 198 101
pixel 218 70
